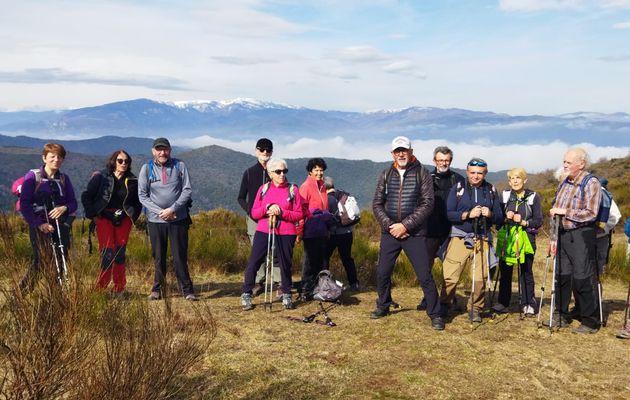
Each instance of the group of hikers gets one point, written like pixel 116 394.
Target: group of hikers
pixel 428 214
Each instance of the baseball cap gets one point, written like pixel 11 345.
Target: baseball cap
pixel 401 141
pixel 264 144
pixel 161 142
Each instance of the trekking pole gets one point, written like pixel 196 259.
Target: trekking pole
pixel 542 287
pixel 62 249
pixel 52 245
pixel 518 271
pixel 552 305
pixel 599 297
pixel 472 290
pixel 271 238
pixel 496 278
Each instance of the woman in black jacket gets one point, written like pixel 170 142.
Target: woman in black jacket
pixel 111 199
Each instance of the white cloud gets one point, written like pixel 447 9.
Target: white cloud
pixel 616 3
pixel 536 5
pixel 405 67
pixel 360 54
pixel 622 25
pixel 534 158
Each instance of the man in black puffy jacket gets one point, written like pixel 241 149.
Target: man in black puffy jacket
pixel 402 203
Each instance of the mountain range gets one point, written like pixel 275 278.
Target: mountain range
pixel 246 119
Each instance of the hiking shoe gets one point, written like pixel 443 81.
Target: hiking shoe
pixel 559 321
pixel 529 311
pixel 355 287
pixel 437 323
pixel 422 305
pixel 475 316
pixel 499 308
pixel 624 333
pixel 287 302
pixel 246 302
pixel 583 329
pixel 155 296
pixel 379 313
pixel 258 289
pixel 192 297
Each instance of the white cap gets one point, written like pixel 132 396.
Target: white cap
pixel 401 141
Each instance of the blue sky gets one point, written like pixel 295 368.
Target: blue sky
pixel 518 57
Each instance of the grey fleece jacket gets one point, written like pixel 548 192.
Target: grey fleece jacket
pixel 169 188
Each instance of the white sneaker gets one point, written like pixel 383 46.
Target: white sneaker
pixel 529 311
pixel 499 308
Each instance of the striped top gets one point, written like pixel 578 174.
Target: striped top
pixel 582 208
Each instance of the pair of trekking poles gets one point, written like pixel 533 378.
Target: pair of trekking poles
pixel 552 253
pixel 271 246
pixel 479 235
pixel 58 250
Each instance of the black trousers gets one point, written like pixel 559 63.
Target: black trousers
pixel 416 250
pixel 343 243
pixel 283 251
pixel 577 257
pixel 177 233
pixel 526 281
pixel 46 254
pixel 314 250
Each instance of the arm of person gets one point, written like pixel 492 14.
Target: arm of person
pixel 186 193
pixel 378 203
pixel 144 191
pixel 453 211
pixel 242 192
pixel 496 211
pixel 259 208
pixel 536 219
pixel 294 212
pixel 88 195
pixel 70 197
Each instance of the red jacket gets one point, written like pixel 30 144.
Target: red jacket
pixel 314 196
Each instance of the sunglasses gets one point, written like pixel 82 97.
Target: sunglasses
pixel 268 151
pixel 122 160
pixel 477 163
pixel 281 171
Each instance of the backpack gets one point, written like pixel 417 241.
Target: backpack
pixel 327 289
pixel 16 187
pixel 348 207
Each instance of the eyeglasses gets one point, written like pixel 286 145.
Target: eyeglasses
pixel 281 171
pixel 477 163
pixel 268 151
pixel 122 160
pixel 447 161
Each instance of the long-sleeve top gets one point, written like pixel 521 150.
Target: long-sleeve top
pixel 462 198
pixel 291 209
pixel 582 206
pixel 253 178
pixel 528 206
pixel 36 199
pixel 169 187
pixel 438 225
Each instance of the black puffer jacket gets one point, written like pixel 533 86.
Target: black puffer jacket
pixel 408 204
pixel 99 191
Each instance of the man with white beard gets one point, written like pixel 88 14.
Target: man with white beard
pixel 438 226
pixel 253 178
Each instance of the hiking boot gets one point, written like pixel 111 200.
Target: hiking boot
pixel 559 321
pixel 246 302
pixel 258 289
pixel 355 287
pixel 499 308
pixel 475 316
pixel 155 296
pixel 437 323
pixel 583 329
pixel 422 305
pixel 379 313
pixel 529 311
pixel 192 297
pixel 287 302
pixel 624 333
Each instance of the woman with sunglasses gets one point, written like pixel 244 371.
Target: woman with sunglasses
pixel 281 202
pixel 111 200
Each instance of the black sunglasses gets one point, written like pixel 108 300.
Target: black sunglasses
pixel 122 160
pixel 265 150
pixel 281 171
pixel 477 163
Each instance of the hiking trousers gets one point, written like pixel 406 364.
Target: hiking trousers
pixel 526 281
pixel 343 243
pixel 283 249
pixel 177 233
pixel 112 244
pixel 44 255
pixel 458 257
pixel 314 250
pixel 416 250
pixel 260 275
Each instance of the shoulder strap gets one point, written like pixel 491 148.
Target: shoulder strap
pixel 263 192
pixel 150 175
pixel 38 178
pixel 506 196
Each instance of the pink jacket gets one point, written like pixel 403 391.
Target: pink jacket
pixel 291 209
pixel 314 197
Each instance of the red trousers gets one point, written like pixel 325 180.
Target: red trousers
pixel 112 243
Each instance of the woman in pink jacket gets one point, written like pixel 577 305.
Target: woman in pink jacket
pixel 280 199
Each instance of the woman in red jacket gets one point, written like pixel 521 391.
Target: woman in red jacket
pixel 281 200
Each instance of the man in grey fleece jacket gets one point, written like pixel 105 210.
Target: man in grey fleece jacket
pixel 164 189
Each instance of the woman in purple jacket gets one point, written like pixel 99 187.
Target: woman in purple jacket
pixel 281 200
pixel 47 203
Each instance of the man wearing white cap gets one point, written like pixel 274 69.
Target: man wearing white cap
pixel 402 203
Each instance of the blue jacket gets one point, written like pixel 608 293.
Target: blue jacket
pixel 626 229
pixel 463 198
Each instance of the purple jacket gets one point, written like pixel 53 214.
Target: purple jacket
pixel 32 202
pixel 291 209
pixel 318 223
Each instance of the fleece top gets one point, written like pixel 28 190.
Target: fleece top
pixel 291 209
pixel 52 192
pixel 168 188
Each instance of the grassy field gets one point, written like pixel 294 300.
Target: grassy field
pixel 265 355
